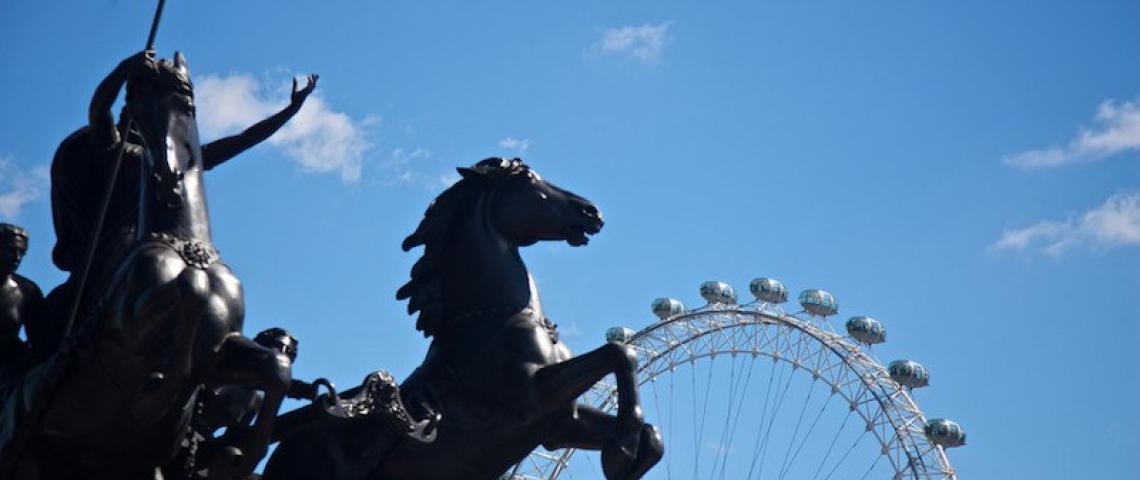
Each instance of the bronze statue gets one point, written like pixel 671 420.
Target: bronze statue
pixel 81 170
pixel 20 305
pixel 495 375
pixel 157 365
pixel 233 408
pixel 116 399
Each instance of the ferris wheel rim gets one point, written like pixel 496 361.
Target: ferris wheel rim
pixel 904 426
pixel 781 319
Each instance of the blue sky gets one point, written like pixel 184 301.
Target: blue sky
pixel 967 173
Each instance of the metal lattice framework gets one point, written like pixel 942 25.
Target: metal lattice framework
pixel 807 344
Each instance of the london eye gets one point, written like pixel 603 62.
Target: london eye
pixel 749 391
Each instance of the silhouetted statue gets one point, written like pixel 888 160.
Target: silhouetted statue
pixel 165 316
pixel 20 304
pixel 496 377
pixel 80 172
pixel 234 408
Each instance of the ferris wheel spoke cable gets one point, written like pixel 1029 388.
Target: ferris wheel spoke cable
pixel 808 434
pixel 831 447
pixel 796 431
pixel 736 422
pixel 763 417
pixel 593 469
pixel 722 446
pixel 657 408
pixel 669 461
pixel 846 454
pixel 771 423
pixel 704 412
pixel 872 467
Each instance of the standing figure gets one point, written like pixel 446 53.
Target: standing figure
pixel 81 171
pixel 20 303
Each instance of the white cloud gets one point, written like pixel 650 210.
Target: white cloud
pixel 1116 223
pixel 318 138
pixel 405 167
pixel 1118 131
pixel 644 43
pixel 18 187
pixel 447 179
pixel 512 143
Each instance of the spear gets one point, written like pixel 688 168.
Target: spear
pixel 107 191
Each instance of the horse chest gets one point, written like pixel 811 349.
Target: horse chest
pixel 168 298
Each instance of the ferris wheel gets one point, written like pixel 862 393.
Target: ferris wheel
pixel 747 391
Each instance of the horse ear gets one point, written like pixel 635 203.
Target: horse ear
pixel 180 64
pixel 467 172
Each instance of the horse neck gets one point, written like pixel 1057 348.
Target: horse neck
pixel 483 270
pixel 188 221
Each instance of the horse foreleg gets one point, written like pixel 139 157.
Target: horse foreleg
pixel 244 362
pixel 593 429
pixel 562 383
pixel 175 309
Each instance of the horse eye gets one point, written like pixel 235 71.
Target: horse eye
pixel 542 195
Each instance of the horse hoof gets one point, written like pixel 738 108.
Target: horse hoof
pixel 625 461
pixel 618 455
pixel 650 451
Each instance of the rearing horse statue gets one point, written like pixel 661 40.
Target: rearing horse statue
pixel 495 373
pixel 167 325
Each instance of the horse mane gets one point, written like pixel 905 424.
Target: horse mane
pixel 425 289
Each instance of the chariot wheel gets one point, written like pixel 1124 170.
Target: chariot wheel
pixel 747 391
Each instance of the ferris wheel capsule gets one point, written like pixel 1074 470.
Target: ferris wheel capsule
pixel 909 373
pixel 945 433
pixel 718 293
pixel 664 308
pixel 819 302
pixel 619 334
pixel 768 290
pixel 866 330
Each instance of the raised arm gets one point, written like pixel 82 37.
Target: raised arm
pixel 100 120
pixel 218 151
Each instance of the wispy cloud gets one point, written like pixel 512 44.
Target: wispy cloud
pixel 1117 130
pixel 406 166
pixel 571 331
pixel 1116 223
pixel 319 138
pixel 643 43
pixel 18 186
pixel 517 144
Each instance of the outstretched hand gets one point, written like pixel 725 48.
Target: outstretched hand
pixel 299 95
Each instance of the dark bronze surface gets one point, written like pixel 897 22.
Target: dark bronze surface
pixel 496 381
pixel 136 363
pixel 160 320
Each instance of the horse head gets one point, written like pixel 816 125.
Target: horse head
pixel 524 208
pixel 472 233
pixel 160 102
